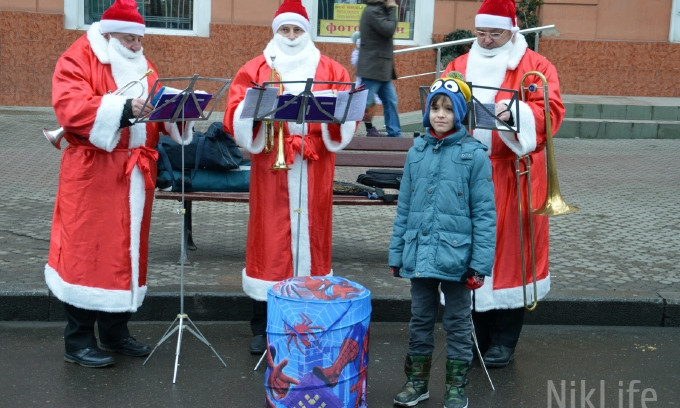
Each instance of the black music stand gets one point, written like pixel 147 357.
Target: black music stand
pixel 262 102
pixel 480 115
pixel 181 107
pixel 483 116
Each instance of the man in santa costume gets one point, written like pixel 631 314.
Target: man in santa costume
pixel 99 240
pixel 289 229
pixel 499 59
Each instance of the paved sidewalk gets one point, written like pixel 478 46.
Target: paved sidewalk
pixel 615 262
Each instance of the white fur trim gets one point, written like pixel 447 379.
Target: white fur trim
pixel 84 297
pixel 493 21
pixel 105 133
pixel 347 130
pixel 511 298
pixel 299 217
pixel 290 18
pixel 173 131
pixel 99 45
pixel 525 141
pixel 255 288
pixel 120 26
pixel 243 132
pixel 137 200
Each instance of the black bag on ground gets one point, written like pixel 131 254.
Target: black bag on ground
pixel 213 150
pixel 212 162
pixel 385 178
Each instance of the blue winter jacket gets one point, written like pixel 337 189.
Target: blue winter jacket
pixel 446 215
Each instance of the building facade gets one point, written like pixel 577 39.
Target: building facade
pixel 600 47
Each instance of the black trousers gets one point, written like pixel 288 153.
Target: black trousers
pixel 258 323
pixel 498 327
pixel 79 331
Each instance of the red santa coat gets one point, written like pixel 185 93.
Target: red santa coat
pixel 100 226
pixel 505 290
pixel 290 223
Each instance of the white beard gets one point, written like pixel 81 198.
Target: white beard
pixel 295 63
pixel 126 66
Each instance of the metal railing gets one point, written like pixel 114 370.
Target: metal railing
pixel 549 28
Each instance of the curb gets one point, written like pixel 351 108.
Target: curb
pixel 660 311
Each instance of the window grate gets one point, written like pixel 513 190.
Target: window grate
pixel 169 14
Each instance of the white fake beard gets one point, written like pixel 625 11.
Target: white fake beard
pixel 505 48
pixel 126 66
pixel 115 46
pixel 293 67
pixel 291 47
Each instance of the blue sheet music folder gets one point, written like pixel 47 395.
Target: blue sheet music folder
pixel 166 104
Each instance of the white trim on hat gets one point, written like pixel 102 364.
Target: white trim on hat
pixel 119 26
pixel 493 21
pixel 290 18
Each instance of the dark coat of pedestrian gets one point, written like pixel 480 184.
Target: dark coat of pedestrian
pixel 377 26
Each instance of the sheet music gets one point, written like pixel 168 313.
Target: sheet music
pixel 482 118
pixel 267 103
pixel 357 105
pixel 486 120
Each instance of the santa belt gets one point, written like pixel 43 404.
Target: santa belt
pixel 141 156
pixel 293 145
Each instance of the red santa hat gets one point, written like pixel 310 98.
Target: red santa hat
pixel 122 17
pixel 291 12
pixel 497 14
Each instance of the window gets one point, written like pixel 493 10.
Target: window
pixel 336 20
pixel 165 17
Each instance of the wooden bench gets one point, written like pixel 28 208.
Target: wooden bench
pixel 373 152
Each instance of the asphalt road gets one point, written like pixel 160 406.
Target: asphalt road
pixel 555 367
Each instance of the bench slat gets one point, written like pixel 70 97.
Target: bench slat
pixel 239 197
pixel 370 159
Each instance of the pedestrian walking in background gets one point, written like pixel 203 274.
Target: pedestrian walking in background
pixel 371 131
pixel 376 60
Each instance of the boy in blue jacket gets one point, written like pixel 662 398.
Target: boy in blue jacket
pixel 444 236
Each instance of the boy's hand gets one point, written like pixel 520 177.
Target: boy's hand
pixel 473 280
pixel 394 270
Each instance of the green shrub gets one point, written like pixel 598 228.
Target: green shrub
pixel 451 52
pixel 527 16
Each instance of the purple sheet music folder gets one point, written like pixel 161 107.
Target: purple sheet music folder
pixel 190 110
pixel 313 114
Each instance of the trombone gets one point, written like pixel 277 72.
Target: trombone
pixel 554 203
pixel 55 136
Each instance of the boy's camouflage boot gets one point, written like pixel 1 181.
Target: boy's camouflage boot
pixel 417 369
pixel 456 379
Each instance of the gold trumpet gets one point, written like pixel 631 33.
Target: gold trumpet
pixel 280 163
pixel 55 136
pixel 554 203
